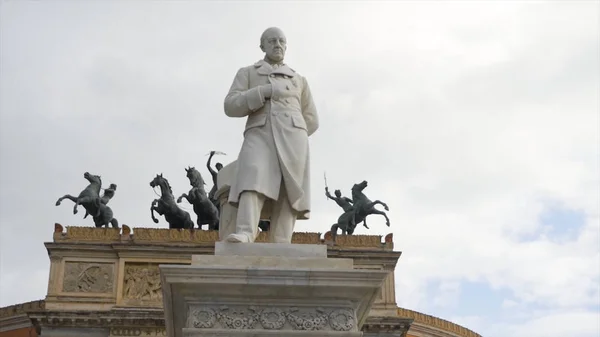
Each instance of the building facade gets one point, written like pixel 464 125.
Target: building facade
pixel 106 282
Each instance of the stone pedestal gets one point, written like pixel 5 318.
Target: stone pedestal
pixel 267 290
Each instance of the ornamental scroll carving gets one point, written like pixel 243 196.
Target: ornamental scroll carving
pixel 271 318
pixel 88 277
pixel 142 282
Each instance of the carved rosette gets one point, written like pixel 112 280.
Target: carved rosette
pixel 342 320
pixel 202 318
pixel 238 318
pixel 271 318
pixel 316 320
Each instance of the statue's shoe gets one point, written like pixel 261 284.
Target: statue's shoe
pixel 237 238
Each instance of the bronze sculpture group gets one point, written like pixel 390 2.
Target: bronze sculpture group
pixel 206 207
pixel 204 204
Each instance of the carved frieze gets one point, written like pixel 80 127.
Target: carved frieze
pixel 141 282
pixel 134 331
pixel 271 318
pixel 370 241
pixel 88 277
pixel 174 235
pixel 93 234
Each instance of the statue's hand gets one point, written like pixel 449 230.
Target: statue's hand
pixel 179 200
pixel 212 153
pixel 155 220
pixel 266 90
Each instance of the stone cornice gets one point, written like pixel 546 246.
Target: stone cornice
pixel 88 319
pixel 132 319
pixel 15 315
pixel 435 322
pixel 22 308
pixel 14 322
pixel 376 324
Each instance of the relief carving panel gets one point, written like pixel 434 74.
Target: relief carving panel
pixel 88 277
pixel 141 282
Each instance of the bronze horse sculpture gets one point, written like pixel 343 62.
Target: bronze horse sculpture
pixel 165 205
pixel 95 205
pixel 363 207
pixel 204 207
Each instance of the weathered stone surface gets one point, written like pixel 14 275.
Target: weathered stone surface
pixel 270 249
pixel 254 262
pixel 266 333
pixel 271 317
pixel 225 292
pixel 142 282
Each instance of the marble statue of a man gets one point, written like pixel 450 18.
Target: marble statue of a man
pixel 273 164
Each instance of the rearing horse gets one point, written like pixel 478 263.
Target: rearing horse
pixel 363 207
pixel 175 216
pixel 205 209
pixel 89 198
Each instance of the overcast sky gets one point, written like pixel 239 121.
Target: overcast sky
pixel 476 121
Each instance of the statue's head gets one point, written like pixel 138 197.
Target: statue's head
pixel 338 193
pixel 113 186
pixel 157 180
pixel 92 178
pixel 195 177
pixel 274 44
pixel 219 166
pixel 357 188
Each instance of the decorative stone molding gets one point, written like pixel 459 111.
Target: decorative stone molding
pixel 88 277
pixel 174 235
pixel 385 325
pixel 129 331
pixel 360 241
pixel 435 322
pixel 86 234
pixel 371 241
pixel 389 238
pixel 204 237
pixel 307 238
pixel 271 318
pixel 123 321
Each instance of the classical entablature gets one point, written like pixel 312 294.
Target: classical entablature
pixel 106 281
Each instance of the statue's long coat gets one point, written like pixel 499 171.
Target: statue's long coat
pixel 275 147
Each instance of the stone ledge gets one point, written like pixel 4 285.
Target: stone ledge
pixel 265 333
pixel 127 235
pixel 270 249
pixel 22 308
pixel 253 262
